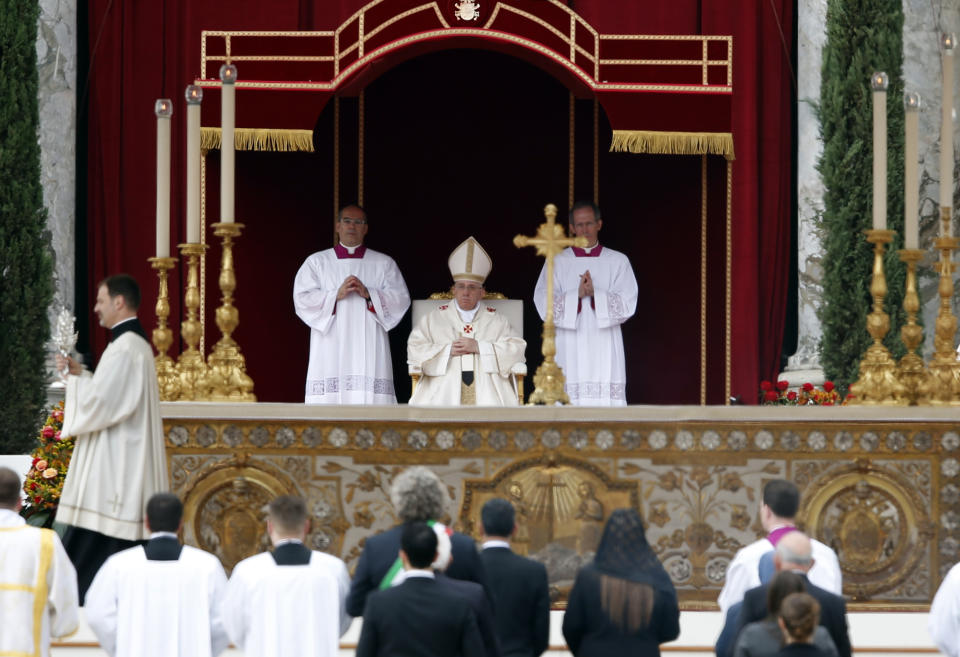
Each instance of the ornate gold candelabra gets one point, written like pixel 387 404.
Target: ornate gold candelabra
pixel 911 370
pixel 878 382
pixel 226 378
pixel 550 241
pixel 191 367
pixel 162 335
pixel 943 384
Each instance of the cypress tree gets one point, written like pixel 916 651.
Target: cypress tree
pixel 26 284
pixel 863 36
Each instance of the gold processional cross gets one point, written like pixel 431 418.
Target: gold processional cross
pixel 550 240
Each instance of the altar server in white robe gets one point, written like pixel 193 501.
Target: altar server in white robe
pixel 161 599
pixel 465 349
pixel 291 601
pixel 944 621
pixel 350 296
pixel 778 510
pixel 595 291
pixel 38 585
pixel 118 462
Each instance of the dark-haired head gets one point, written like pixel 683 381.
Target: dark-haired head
pixel 782 498
pixel 498 518
pixel 164 512
pixel 419 542
pixel 287 516
pixel 783 584
pixel 123 285
pixel 9 489
pixel 581 205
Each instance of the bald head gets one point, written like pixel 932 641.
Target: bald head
pixel 794 552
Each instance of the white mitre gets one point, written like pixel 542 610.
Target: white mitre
pixel 469 262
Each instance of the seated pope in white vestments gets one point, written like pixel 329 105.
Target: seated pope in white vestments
pixel 162 599
pixel 292 600
pixel 38 585
pixel 350 296
pixel 594 292
pixel 465 349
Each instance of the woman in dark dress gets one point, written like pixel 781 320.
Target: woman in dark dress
pixel 798 619
pixel 623 603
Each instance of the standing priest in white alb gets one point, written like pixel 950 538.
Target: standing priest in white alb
pixel 595 291
pixel 350 296
pixel 118 462
pixel 466 349
pixel 291 601
pixel 944 621
pixel 38 586
pixel 162 599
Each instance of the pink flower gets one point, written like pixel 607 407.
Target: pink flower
pixel 40 465
pixel 48 432
pixel 49 473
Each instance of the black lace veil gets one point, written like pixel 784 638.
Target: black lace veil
pixel 625 553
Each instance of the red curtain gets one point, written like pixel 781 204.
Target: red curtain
pixel 143 51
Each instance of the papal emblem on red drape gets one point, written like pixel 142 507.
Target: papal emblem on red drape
pixel 467 10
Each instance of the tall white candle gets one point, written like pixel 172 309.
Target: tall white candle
pixel 163 108
pixel 911 184
pixel 228 118
pixel 947 42
pixel 194 96
pixel 879 83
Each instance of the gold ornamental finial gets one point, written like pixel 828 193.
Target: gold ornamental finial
pixel 549 241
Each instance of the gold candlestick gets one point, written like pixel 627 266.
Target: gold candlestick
pixel 167 379
pixel 944 382
pixel 911 370
pixel 878 383
pixel 550 241
pixel 191 367
pixel 227 378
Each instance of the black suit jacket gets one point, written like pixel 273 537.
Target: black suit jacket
pixel 475 596
pixel 163 548
pixel 418 618
pixel 381 551
pixel 522 600
pixel 833 613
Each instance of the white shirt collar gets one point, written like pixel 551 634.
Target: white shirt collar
pixel 154 535
pixel 350 249
pixel 588 249
pixel 466 315
pixel 496 544
pixel 284 541
pixel 416 572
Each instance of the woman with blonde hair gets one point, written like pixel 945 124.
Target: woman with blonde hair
pixel 622 603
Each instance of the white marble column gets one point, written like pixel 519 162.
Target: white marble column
pixel 804 366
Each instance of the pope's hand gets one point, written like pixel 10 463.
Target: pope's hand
pixel 463 346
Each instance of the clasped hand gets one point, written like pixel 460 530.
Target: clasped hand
pixel 464 346
pixel 586 285
pixel 352 284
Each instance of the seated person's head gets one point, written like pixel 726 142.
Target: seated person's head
pixel 783 584
pixel 469 266
pixel 418 544
pixel 498 517
pixel 164 513
pixel 287 518
pixel 418 494
pixel 799 617
pixel 9 489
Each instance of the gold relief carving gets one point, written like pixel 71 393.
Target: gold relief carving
pixel 561 504
pixel 877 522
pixel 223 508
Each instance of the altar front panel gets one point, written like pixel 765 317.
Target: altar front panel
pixel 879 486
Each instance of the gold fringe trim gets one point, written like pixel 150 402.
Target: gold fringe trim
pixel 673 143
pixel 260 139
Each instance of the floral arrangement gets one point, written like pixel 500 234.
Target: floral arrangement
pixel 779 394
pixel 44 482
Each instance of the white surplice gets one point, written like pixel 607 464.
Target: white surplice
pixel 743 572
pixel 118 460
pixel 944 620
pixel 38 588
pixel 143 608
pixel 589 341
pixel 429 346
pixel 278 611
pixel 349 349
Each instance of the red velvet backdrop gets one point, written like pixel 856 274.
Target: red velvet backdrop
pixel 471 151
